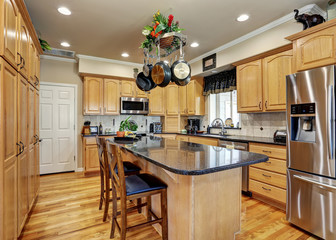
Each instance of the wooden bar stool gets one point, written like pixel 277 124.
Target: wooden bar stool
pixel 105 188
pixel 134 187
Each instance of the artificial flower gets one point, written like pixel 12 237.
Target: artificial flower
pixel 170 20
pixel 145 32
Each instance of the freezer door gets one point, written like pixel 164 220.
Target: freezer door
pixel 311 203
pixel 312 153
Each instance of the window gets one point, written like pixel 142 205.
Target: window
pixel 224 105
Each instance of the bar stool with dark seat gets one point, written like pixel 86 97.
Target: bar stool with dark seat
pixel 134 187
pixel 105 188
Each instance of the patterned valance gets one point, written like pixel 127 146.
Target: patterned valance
pixel 220 82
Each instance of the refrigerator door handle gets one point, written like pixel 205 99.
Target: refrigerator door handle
pixel 331 118
pixel 333 188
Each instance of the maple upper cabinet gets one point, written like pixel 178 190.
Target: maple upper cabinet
pixel 37 70
pixel 32 62
pixel 139 93
pixel 275 69
pixel 93 96
pixel 127 88
pixel 249 87
pixel 23 48
pixel 111 97
pixel 183 100
pixel 172 99
pixel 314 47
pixel 157 102
pixel 9 31
pixel 195 98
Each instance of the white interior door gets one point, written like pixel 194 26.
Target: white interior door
pixel 57 129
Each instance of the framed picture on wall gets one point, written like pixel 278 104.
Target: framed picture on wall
pixel 209 62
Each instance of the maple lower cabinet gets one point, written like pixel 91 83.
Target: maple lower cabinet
pixel 275 69
pixel 195 98
pixel 314 47
pixel 183 100
pixel 90 155
pixel 93 96
pixel 9 31
pixel 249 87
pixel 157 102
pixel 172 99
pixel 8 151
pixel 111 97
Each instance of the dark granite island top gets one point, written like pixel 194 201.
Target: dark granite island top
pixel 190 158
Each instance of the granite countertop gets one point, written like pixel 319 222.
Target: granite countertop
pixel 189 158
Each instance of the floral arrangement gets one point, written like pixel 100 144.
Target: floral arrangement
pixel 160 25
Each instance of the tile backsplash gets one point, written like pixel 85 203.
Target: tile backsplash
pixel 256 124
pixel 107 121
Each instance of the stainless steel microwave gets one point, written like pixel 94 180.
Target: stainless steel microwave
pixel 130 105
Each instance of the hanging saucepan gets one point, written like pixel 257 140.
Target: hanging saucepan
pixel 181 71
pixel 142 82
pixel 161 74
pixel 147 68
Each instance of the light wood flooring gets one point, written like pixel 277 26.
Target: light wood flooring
pixel 67 208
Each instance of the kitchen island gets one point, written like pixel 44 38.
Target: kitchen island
pixel 204 184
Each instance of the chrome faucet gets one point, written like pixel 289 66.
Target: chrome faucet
pixel 215 124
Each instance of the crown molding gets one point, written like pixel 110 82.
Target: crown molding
pixel 107 60
pixel 311 8
pixel 61 59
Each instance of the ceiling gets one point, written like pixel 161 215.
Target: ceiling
pixel 105 28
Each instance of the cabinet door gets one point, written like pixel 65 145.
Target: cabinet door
pixel 31 176
pixel 32 60
pixel 191 98
pixel 156 102
pixel 249 87
pixel 23 88
pixel 9 33
pixel 127 88
pixel 37 168
pixel 37 145
pixel 172 99
pixel 93 96
pixel 22 189
pixel 316 49
pixel 111 97
pixel 31 116
pixel 275 84
pixel 140 93
pixel 183 100
pixel 23 48
pixel 8 121
pixel 91 158
pixel 37 70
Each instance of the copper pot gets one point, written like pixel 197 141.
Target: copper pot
pixel 120 133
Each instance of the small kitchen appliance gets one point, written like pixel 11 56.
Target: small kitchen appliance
pixel 193 126
pixel 280 136
pixel 155 127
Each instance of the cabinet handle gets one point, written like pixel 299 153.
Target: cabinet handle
pixel 268 163
pixel 24 63
pixel 19 149
pixel 267 151
pixel 18 64
pixel 23 147
pixel 268 176
pixel 266 104
pixel 260 105
pixel 267 189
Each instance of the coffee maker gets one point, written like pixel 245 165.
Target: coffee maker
pixel 193 126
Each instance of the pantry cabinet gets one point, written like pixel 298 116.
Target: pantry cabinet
pixel 275 69
pixel 314 47
pixel 32 62
pixel 157 102
pixel 111 97
pixel 23 48
pixel 249 87
pixel 93 96
pixel 9 31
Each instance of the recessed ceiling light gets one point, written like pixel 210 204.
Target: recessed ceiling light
pixel 194 44
pixel 65 44
pixel 125 55
pixel 64 11
pixel 243 18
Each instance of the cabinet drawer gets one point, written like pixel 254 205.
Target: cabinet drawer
pixel 273 151
pixel 90 141
pixel 182 138
pixel 273 165
pixel 267 190
pixel 203 140
pixel 271 178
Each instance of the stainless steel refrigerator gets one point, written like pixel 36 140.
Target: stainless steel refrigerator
pixel 311 179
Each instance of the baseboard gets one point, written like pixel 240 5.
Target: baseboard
pixel 79 170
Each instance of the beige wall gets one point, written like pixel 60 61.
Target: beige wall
pixel 66 72
pixel 106 68
pixel 263 42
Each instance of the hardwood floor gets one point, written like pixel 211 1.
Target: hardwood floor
pixel 67 208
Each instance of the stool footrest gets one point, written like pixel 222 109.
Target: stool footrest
pixel 144 224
